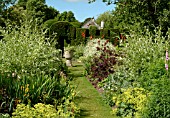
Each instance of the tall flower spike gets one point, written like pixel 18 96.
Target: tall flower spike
pixel 166 66
pixel 167 58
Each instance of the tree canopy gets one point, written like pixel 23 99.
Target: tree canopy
pixel 66 16
pixel 5 3
pixel 107 17
pixel 149 13
pixel 15 11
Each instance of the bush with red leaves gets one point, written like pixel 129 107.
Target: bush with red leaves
pixel 102 66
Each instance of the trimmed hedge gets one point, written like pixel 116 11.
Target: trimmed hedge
pixel 93 31
pixel 76 24
pixel 63 32
pixel 70 33
pixel 105 33
pixel 81 35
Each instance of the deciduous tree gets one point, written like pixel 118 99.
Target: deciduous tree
pixel 149 13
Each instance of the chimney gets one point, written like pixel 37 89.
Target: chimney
pixel 102 24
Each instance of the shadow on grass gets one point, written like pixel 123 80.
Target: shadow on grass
pixel 83 112
pixel 80 98
pixel 76 74
pixel 77 65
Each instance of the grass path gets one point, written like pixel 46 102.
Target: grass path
pixel 88 98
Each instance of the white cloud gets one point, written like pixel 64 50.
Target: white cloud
pixel 76 0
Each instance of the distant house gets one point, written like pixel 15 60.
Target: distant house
pixel 89 23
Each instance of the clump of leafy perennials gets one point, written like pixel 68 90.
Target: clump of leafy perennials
pixel 31 71
pixel 102 57
pixel 103 65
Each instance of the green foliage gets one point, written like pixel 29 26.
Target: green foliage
pixel 68 109
pixel 88 56
pixel 158 105
pixel 64 30
pixel 49 23
pixel 92 46
pixel 50 13
pixel 4 4
pixel 15 15
pixel 39 110
pixel 80 39
pixel 31 90
pixel 66 16
pixel 143 12
pixel 140 63
pixel 31 69
pixel 149 48
pixel 2 22
pixel 24 50
pixel 71 34
pixel 37 9
pixel 139 67
pixel 107 17
pixel 130 103
pixel 105 33
pixel 79 50
pixel 22 3
pixel 42 110
pixel 4 116
pixel 76 24
pixel 93 31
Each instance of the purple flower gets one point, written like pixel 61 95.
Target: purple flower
pixel 166 66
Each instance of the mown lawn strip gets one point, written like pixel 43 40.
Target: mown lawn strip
pixel 88 98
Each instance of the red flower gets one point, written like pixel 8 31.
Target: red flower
pixel 83 34
pixel 91 37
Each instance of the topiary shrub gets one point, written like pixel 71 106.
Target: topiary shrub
pixel 76 24
pixel 63 30
pixel 71 35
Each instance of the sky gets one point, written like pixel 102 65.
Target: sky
pixel 81 8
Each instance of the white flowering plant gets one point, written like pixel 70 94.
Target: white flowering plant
pixel 90 49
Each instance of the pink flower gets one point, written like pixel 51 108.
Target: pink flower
pixel 167 58
pixel 166 66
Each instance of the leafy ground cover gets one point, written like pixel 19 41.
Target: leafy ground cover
pixel 88 98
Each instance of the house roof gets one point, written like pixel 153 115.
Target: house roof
pixel 89 23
